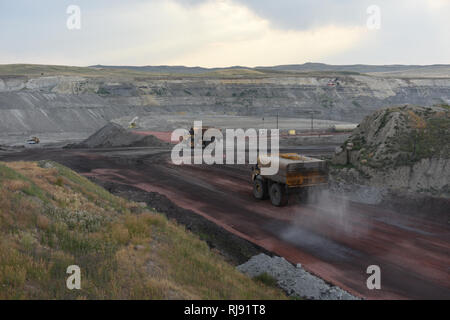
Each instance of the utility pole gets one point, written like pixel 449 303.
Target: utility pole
pixel 310 112
pixel 277 119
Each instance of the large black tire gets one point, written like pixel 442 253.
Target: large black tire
pixel 278 195
pixel 260 188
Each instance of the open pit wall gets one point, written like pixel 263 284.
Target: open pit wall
pixel 83 105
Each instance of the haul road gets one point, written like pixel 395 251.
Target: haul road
pixel 335 240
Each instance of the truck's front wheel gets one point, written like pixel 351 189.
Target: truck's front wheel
pixel 259 188
pixel 278 195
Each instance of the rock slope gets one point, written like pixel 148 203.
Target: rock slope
pixel 405 148
pixel 295 280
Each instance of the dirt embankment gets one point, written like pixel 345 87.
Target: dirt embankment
pixel 52 218
pixel 404 149
pixel 233 248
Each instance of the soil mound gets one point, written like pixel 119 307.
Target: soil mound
pixel 404 148
pixel 114 135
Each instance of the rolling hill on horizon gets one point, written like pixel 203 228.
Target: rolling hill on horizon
pixel 397 69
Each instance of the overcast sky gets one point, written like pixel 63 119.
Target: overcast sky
pixel 218 33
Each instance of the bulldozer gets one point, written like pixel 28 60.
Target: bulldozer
pixel 296 175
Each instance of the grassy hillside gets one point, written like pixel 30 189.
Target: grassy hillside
pixel 35 70
pixel 305 70
pixel 399 136
pixel 123 73
pixel 403 149
pixel 50 218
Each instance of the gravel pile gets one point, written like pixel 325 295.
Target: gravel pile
pixel 114 135
pixel 295 280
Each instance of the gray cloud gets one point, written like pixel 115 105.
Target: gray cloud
pixel 412 31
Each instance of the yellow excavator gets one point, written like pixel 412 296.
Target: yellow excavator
pixel 133 123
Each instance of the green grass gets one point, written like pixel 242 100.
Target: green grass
pixel 31 189
pixel 267 279
pixel 35 70
pixel 431 141
pixel 51 217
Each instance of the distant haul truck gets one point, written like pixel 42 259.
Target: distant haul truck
pixel 295 175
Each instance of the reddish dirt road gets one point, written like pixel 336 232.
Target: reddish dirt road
pixel 332 238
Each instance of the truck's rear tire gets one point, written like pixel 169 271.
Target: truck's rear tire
pixel 278 195
pixel 259 188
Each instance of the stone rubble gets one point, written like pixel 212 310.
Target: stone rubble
pixel 294 280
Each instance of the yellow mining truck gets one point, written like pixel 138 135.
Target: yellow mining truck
pixel 296 175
